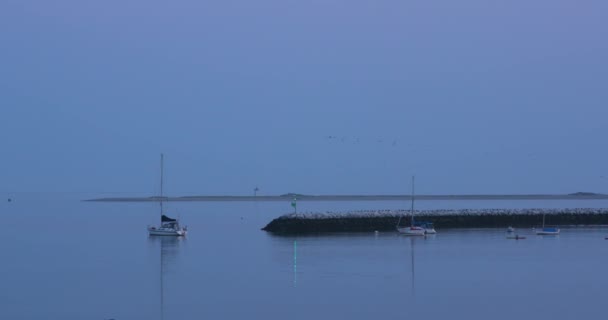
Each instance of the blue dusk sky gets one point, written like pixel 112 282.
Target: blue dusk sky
pixel 316 97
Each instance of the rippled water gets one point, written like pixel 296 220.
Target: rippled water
pixel 67 259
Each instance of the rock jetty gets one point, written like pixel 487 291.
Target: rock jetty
pixel 385 220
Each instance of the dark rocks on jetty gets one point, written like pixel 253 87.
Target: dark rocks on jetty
pixel 386 220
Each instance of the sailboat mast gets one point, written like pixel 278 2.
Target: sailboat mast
pixel 412 201
pixel 161 183
pixel 543 220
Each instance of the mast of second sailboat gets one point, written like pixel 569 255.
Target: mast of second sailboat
pixel 543 220
pixel 161 184
pixel 412 213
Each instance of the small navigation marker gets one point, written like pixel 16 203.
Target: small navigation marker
pixel 294 205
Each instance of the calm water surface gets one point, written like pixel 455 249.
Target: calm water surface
pixel 67 259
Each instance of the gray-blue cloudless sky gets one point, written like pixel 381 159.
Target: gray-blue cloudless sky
pixel 318 97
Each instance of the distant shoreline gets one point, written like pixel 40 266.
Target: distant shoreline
pixel 358 198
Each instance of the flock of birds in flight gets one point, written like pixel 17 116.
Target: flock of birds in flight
pixel 397 142
pixel 357 140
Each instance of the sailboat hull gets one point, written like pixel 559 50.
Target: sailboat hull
pixel 166 232
pixel 550 232
pixel 430 231
pixel 411 231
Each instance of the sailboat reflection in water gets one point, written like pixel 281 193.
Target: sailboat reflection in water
pixel 413 267
pixel 169 248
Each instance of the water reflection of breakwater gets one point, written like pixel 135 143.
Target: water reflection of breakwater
pixel 382 220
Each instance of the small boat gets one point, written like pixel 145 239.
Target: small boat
pixel 510 230
pixel 168 226
pixel 427 226
pixel 413 229
pixel 547 231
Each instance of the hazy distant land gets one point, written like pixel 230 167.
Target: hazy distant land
pixel 302 197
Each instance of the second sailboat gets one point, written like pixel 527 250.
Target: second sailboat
pixel 413 229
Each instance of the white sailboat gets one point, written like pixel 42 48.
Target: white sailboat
pixel 168 226
pixel 412 230
pixel 547 231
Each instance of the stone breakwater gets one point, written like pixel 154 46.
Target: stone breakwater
pixel 386 220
